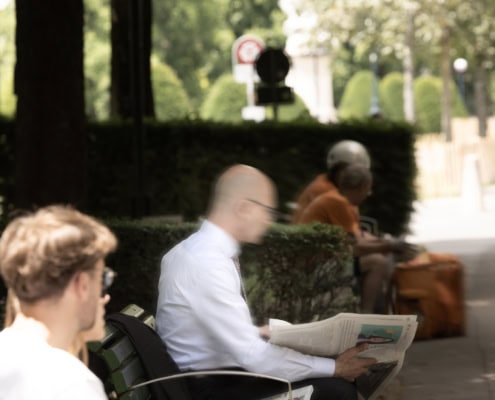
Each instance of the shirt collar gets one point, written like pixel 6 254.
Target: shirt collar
pixel 224 240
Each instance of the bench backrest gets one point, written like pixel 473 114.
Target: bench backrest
pixel 130 338
pixel 118 358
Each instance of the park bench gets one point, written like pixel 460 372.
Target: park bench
pixel 116 361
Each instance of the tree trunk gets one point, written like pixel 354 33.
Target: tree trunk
pixel 480 97
pixel 50 136
pixel 332 112
pixel 408 65
pixel 131 91
pixel 446 98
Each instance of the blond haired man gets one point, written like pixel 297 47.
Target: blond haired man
pixel 53 261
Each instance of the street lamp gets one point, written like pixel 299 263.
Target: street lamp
pixel 375 104
pixel 460 66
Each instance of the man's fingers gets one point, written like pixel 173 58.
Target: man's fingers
pixel 351 368
pixel 368 361
pixel 354 351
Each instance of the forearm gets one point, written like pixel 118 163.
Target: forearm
pixel 364 247
pixel 285 363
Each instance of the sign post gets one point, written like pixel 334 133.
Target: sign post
pixel 245 50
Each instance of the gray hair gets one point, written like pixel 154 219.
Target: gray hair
pixel 353 177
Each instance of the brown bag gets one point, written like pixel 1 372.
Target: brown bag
pixel 431 286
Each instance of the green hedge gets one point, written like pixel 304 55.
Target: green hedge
pixel 298 273
pixel 182 159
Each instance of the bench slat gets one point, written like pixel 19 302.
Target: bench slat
pixel 128 375
pixel 118 353
pixel 110 334
pixel 133 310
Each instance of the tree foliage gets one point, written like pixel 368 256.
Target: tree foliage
pixel 97 53
pixel 424 35
pixel 195 37
pixel 244 15
pixel 7 97
pixel 171 101
pixel 7 59
pixel 192 37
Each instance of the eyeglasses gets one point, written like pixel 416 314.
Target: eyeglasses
pixel 107 279
pixel 274 213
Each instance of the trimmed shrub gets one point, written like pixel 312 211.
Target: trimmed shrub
pixel 225 100
pixel 356 100
pixel 427 103
pixel 392 97
pixel 298 111
pixel 171 100
pixel 299 273
pixel 427 99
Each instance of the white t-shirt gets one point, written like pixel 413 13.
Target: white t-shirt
pixel 32 369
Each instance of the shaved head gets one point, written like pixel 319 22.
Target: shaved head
pixel 239 192
pixel 238 182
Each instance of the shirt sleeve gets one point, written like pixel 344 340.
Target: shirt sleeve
pixel 223 313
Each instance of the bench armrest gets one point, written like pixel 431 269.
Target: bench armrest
pixel 221 372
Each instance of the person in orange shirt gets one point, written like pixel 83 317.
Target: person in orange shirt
pixel 340 207
pixel 340 155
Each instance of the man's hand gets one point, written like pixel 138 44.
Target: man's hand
pixel 404 251
pixel 264 332
pixel 349 366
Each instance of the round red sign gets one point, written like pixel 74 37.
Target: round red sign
pixel 247 50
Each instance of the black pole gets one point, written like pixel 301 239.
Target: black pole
pixel 139 199
pixel 273 73
pixel 460 82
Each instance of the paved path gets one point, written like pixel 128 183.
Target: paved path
pixel 464 367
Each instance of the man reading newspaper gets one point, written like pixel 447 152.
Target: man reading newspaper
pixel 205 321
pixel 387 336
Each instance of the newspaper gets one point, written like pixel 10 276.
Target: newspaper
pixel 388 338
pixel 303 393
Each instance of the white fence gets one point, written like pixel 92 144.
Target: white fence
pixel 443 167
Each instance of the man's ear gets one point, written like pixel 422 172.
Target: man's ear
pixel 243 208
pixel 81 283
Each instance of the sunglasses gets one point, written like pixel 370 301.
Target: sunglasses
pixel 107 279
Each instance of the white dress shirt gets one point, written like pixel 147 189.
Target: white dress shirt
pixel 204 320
